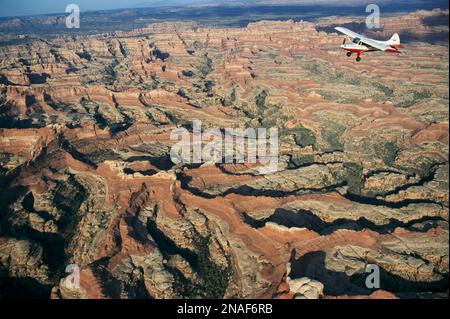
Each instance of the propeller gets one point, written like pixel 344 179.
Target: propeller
pixel 344 41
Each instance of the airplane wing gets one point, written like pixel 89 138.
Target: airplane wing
pixel 349 33
pixel 369 42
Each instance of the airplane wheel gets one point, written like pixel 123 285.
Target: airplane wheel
pixel 358 59
pixel 349 54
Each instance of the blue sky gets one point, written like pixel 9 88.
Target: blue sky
pixel 29 7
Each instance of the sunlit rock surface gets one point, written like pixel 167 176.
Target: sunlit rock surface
pixel 86 176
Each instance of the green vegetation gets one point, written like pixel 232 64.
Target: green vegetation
pixel 405 103
pixel 233 95
pixel 424 166
pixel 338 175
pixel 100 155
pixel 388 152
pixel 197 45
pixel 181 92
pixel 338 75
pixel 331 134
pixel 304 137
pixel 69 195
pixel 226 102
pixel 354 81
pixel 206 67
pixel 208 86
pixel 385 89
pixel 212 279
pixel 261 100
pixel 414 97
pixel 313 68
pixel 298 160
pixel 270 118
pixel 354 177
pixel 421 95
pixel 229 100
pixel 215 278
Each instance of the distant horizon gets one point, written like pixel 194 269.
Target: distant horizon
pixel 23 8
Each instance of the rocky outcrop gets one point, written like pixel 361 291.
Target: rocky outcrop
pixel 86 176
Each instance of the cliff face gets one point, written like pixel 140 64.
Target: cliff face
pixel 86 177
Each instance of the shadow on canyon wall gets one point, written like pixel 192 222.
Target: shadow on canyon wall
pixel 312 265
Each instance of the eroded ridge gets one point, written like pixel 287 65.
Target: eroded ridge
pixel 86 176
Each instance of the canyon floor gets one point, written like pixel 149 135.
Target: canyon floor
pixel 86 176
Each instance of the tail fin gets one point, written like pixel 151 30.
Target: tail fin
pixel 394 40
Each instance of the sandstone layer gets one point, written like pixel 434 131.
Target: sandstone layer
pixel 86 176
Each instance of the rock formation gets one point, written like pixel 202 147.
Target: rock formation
pixel 86 176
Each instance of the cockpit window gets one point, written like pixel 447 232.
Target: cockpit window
pixel 356 40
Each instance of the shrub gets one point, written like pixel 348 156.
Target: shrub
pixel 383 88
pixel 424 166
pixel 388 152
pixel 261 100
pixel 215 278
pixel 304 137
pixel 187 73
pixel 421 95
pixel 208 86
pixel 354 177
pixel 300 160
pixel 206 67
pixel 313 68
pixel 331 134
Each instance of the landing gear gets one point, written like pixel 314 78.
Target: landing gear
pixel 357 52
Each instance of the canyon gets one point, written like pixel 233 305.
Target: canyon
pixel 86 176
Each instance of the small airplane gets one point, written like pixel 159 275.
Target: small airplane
pixel 359 44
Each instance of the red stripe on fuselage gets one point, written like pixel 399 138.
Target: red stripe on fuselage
pixel 354 50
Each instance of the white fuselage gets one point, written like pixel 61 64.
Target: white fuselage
pixel 355 47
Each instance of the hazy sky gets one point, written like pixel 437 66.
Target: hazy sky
pixel 29 7
pixel 32 7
